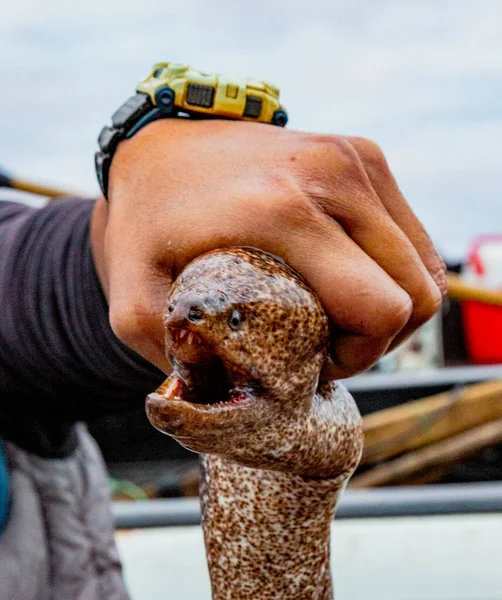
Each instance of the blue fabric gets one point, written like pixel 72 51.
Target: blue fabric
pixel 4 490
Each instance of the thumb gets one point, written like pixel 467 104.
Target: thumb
pixel 137 298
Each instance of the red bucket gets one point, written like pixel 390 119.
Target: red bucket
pixel 483 332
pixel 483 322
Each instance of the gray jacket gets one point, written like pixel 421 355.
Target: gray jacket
pixel 58 543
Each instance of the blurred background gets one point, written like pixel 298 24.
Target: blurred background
pixel 422 78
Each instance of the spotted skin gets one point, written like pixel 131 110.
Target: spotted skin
pixel 247 339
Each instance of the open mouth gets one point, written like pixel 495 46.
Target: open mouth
pixel 191 338
pixel 186 347
pixel 202 377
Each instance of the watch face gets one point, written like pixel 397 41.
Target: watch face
pixel 208 94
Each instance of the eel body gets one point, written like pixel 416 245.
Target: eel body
pixel 247 340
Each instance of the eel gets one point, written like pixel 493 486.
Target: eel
pixel 247 339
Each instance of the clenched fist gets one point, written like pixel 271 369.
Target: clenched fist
pixel 328 205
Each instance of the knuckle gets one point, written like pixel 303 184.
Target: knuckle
pixel 292 206
pixel 439 276
pixel 369 150
pixel 337 154
pixel 371 155
pixel 392 317
pixel 428 306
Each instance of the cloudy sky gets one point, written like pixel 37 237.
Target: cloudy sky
pixel 422 78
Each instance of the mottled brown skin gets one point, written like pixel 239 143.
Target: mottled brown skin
pixel 247 339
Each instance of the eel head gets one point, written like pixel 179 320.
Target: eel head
pixel 247 339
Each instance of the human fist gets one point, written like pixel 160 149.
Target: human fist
pixel 328 205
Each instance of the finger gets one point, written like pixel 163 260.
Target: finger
pixel 137 295
pixel 361 299
pixel 387 190
pixel 348 197
pixel 351 354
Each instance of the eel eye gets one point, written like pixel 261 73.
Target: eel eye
pixel 235 320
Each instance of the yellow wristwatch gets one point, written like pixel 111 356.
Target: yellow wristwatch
pixel 176 90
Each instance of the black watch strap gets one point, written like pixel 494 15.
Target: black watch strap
pixel 134 114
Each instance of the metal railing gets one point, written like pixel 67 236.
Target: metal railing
pixel 446 499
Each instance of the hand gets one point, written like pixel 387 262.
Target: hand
pixel 328 205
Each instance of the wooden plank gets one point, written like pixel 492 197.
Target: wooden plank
pixel 409 426
pixel 429 458
pixel 459 290
pixel 432 475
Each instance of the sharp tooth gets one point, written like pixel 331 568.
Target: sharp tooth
pixel 183 332
pixel 190 338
